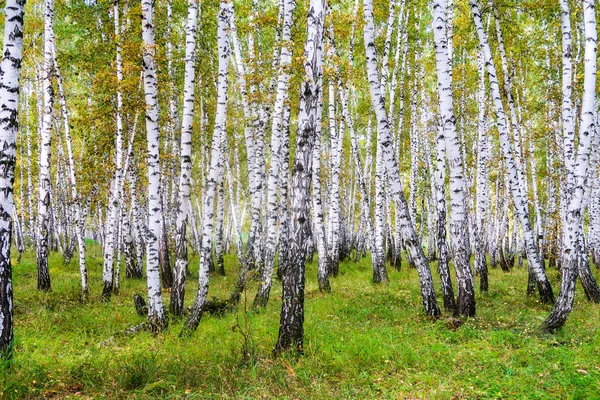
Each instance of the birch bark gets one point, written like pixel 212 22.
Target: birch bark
pixel 10 71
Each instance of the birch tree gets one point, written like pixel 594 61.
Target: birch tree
pixel 459 233
pixel 396 192
pixel 215 173
pixel 291 325
pixel 185 154
pixel 518 195
pixel 43 219
pixel 156 314
pixel 572 252
pixel 10 71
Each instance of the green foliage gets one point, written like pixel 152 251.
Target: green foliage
pixel 362 341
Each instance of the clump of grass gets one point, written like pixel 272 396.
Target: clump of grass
pixel 137 371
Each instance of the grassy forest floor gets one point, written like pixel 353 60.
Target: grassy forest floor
pixel 362 341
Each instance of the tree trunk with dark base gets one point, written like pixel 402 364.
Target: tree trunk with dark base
pixel 291 325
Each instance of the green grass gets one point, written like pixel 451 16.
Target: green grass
pixel 362 341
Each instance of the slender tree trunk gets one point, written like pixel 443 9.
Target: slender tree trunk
pixel 215 174
pixel 185 154
pixel 79 221
pixel 156 314
pixel 262 296
pixel 482 181
pixel 409 235
pixel 459 233
pixel 317 205
pixel 573 246
pixel 518 194
pixel 43 220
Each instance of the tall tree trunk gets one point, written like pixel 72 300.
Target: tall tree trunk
pixel 185 154
pixel 459 233
pixel 43 219
pixel 79 220
pixel 482 181
pixel 317 205
pixel 291 325
pixel 378 103
pixel 113 197
pixel 156 313
pixel 262 296
pixel 572 254
pixel 215 174
pixel 10 70
pixel 518 194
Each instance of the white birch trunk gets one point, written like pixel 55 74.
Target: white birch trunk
pixel 518 194
pixel 459 233
pixel 262 296
pixel 156 313
pixel 378 103
pixel 43 220
pixel 10 70
pixel 185 169
pixel 215 174
pixel 573 245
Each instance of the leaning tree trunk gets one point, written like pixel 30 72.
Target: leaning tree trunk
pixel 408 232
pixel 156 313
pixel 43 220
pixel 215 174
pixel 291 326
pixel 573 245
pixel 519 197
pixel 183 200
pixel 10 70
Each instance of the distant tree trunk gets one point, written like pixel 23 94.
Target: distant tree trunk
pixel 156 313
pixel 336 139
pixel 440 224
pixel 215 174
pixel 378 250
pixel 573 246
pixel 43 220
pixel 79 220
pixel 10 70
pixel 220 228
pixel 291 326
pixel 164 256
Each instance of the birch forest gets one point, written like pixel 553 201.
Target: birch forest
pixel 299 199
